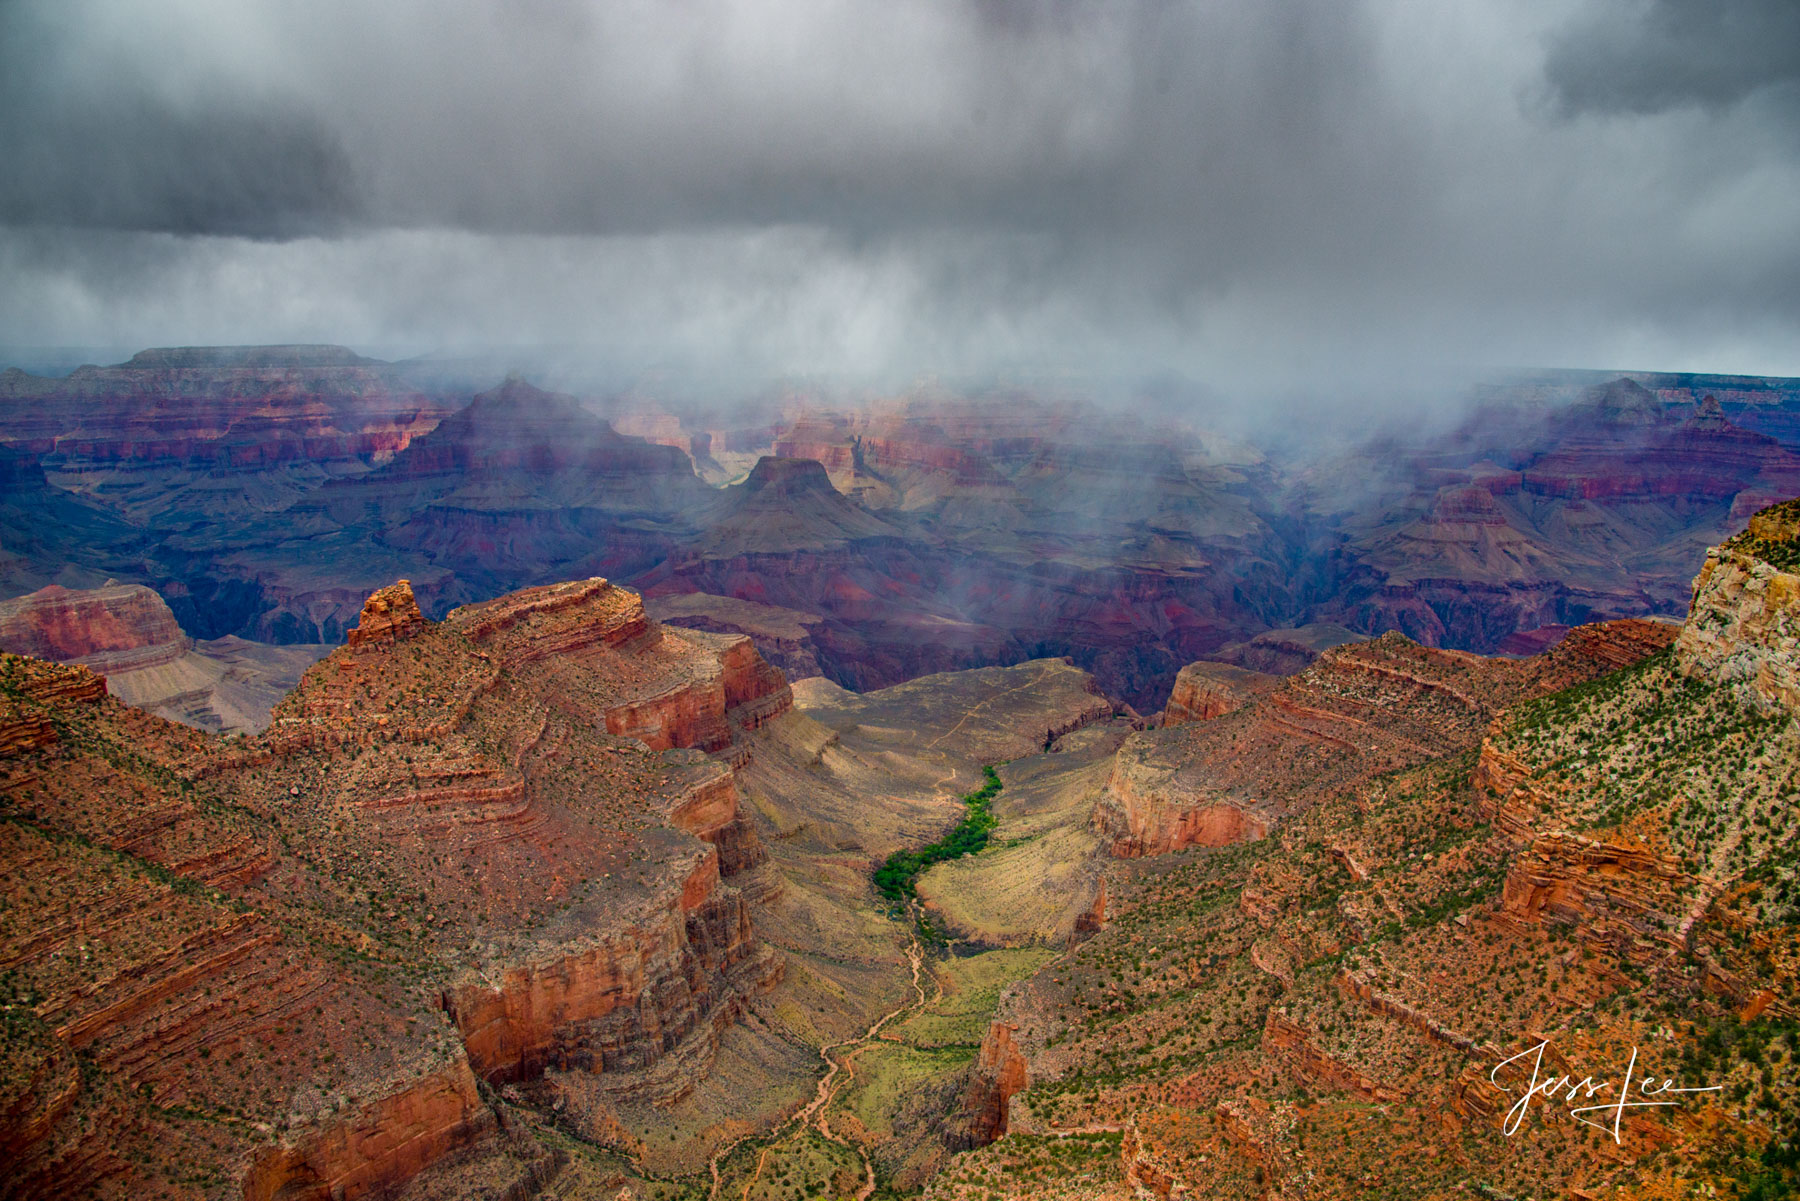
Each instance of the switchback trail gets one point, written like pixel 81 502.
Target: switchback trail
pixel 812 1116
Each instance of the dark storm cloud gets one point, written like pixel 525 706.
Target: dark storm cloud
pixel 564 118
pixel 101 144
pixel 1651 57
pixel 1297 191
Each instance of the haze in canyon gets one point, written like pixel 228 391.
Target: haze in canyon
pixel 954 600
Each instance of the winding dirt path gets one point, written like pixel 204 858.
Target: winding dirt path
pixel 984 703
pixel 837 1057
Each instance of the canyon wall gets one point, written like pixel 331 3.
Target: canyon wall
pixel 1206 690
pixel 436 867
pixel 1744 627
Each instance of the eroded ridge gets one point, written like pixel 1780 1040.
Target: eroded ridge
pixel 279 966
pixel 1585 857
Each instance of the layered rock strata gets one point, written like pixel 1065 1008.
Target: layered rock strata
pixel 1362 708
pixel 1744 629
pixel 128 634
pixel 434 868
pixel 1206 690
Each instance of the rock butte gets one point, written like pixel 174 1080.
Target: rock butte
pixel 126 633
pixel 414 768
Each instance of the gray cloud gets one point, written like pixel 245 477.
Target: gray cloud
pixel 1664 54
pixel 98 140
pixel 1301 196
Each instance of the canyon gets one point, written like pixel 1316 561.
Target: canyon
pixel 425 873
pixel 1590 849
pixel 265 491
pixel 544 869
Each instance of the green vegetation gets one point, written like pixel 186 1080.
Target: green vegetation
pixel 971 991
pixel 1783 554
pixel 898 878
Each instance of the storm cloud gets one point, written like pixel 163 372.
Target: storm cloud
pixel 1302 194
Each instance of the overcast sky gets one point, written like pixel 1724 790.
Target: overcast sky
pixel 1249 193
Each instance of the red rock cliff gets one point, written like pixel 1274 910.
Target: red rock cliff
pixel 120 627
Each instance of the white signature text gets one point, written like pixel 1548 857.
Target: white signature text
pixel 1650 1094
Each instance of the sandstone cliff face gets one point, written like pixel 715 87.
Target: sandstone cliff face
pixel 710 808
pixel 1147 811
pixel 1206 690
pixel 685 688
pixel 675 967
pixel 438 866
pixel 378 1149
pixel 116 628
pixel 127 633
pixel 998 1075
pixel 1360 709
pixel 1617 893
pixel 1744 627
pixel 390 613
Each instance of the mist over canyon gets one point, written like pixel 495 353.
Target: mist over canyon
pixel 770 600
pixel 265 492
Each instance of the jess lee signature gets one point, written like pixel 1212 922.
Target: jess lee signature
pixel 1585 1089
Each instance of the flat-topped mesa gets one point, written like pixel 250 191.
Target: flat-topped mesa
pixel 1743 627
pixel 778 476
pixel 388 615
pixel 536 623
pixel 669 688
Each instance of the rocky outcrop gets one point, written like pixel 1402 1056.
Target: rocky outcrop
pixel 555 620
pixel 711 809
pixel 1626 896
pixel 389 614
pixel 1092 919
pixel 1362 708
pixel 1297 1048
pixel 120 627
pixel 51 683
pixel 129 634
pixel 696 712
pixel 436 824
pixel 677 966
pixel 387 1142
pixel 1206 690
pixel 1000 1073
pixel 1360 984
pixel 784 637
pixel 1744 627
pixel 1147 810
